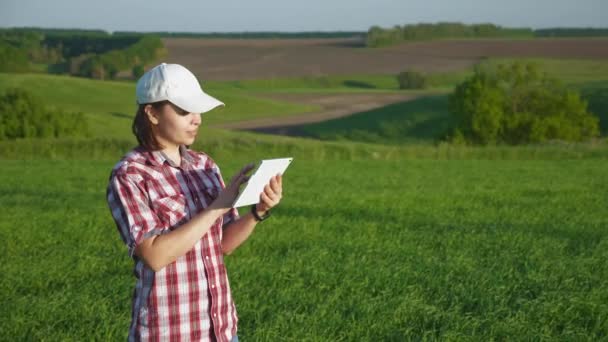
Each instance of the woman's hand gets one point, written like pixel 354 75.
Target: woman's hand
pixel 271 196
pixel 228 195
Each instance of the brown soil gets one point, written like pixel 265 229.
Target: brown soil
pixel 332 106
pixel 233 59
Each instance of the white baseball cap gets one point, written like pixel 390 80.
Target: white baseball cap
pixel 177 84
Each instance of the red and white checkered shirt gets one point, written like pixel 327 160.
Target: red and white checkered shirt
pixel 189 299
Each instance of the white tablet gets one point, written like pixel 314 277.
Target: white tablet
pixel 255 186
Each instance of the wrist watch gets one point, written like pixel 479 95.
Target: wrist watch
pixel 257 217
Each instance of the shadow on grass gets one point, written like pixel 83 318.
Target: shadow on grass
pixel 596 95
pixel 579 240
pixel 421 120
pixel 121 115
pixel 358 84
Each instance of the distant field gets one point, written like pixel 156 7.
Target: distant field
pixel 420 121
pixel 381 236
pixel 270 102
pixel 233 59
pixel 110 106
pixel 426 118
pixel 397 250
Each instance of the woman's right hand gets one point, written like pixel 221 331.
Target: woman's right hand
pixel 228 195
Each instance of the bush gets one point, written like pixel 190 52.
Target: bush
pixel 517 104
pixel 12 59
pixel 24 116
pixel 411 80
pixel 108 64
pixel 138 71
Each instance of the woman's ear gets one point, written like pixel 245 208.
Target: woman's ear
pixel 152 114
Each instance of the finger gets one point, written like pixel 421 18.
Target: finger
pixel 238 180
pixel 237 177
pixel 280 182
pixel 247 168
pixel 243 171
pixel 274 185
pixel 245 179
pixel 276 198
pixel 271 194
pixel 267 200
pixel 262 206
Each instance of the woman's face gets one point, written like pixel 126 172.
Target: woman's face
pixel 174 126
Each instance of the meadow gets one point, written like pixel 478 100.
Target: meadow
pixel 375 240
pixel 396 250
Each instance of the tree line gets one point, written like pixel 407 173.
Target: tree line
pixel 379 37
pixel 254 35
pixel 88 53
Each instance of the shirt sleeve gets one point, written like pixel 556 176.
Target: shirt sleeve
pixel 134 218
pixel 232 214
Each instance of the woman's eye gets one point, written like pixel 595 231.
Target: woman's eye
pixel 180 111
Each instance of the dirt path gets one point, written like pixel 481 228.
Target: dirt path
pixel 332 106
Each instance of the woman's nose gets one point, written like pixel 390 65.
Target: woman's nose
pixel 196 119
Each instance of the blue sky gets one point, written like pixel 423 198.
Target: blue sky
pixel 285 15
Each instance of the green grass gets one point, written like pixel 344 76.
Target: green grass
pixel 110 105
pixel 569 71
pixel 348 83
pixel 422 120
pixel 574 72
pixel 413 242
pixel 256 146
pixel 397 250
pixel 426 119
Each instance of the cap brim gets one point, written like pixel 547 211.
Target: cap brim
pixel 200 103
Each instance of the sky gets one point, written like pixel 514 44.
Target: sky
pixel 294 16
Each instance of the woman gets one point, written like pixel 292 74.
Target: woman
pixel 174 213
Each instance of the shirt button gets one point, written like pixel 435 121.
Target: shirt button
pixel 214 315
pixel 207 257
pixel 212 286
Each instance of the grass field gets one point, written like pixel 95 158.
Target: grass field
pixel 420 121
pixel 397 250
pixel 427 119
pixel 110 106
pixel 402 240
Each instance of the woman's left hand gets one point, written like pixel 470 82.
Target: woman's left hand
pixel 271 196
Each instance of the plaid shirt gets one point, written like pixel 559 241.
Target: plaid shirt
pixel 189 299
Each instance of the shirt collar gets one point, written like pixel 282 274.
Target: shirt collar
pixel 158 157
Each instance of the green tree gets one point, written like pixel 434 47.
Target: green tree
pixel 517 104
pixel 137 71
pixel 23 115
pixel 411 80
pixel 13 59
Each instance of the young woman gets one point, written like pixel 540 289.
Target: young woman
pixel 173 211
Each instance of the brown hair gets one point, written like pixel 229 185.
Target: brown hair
pixel 142 127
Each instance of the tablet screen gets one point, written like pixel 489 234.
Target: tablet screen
pixel 255 186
